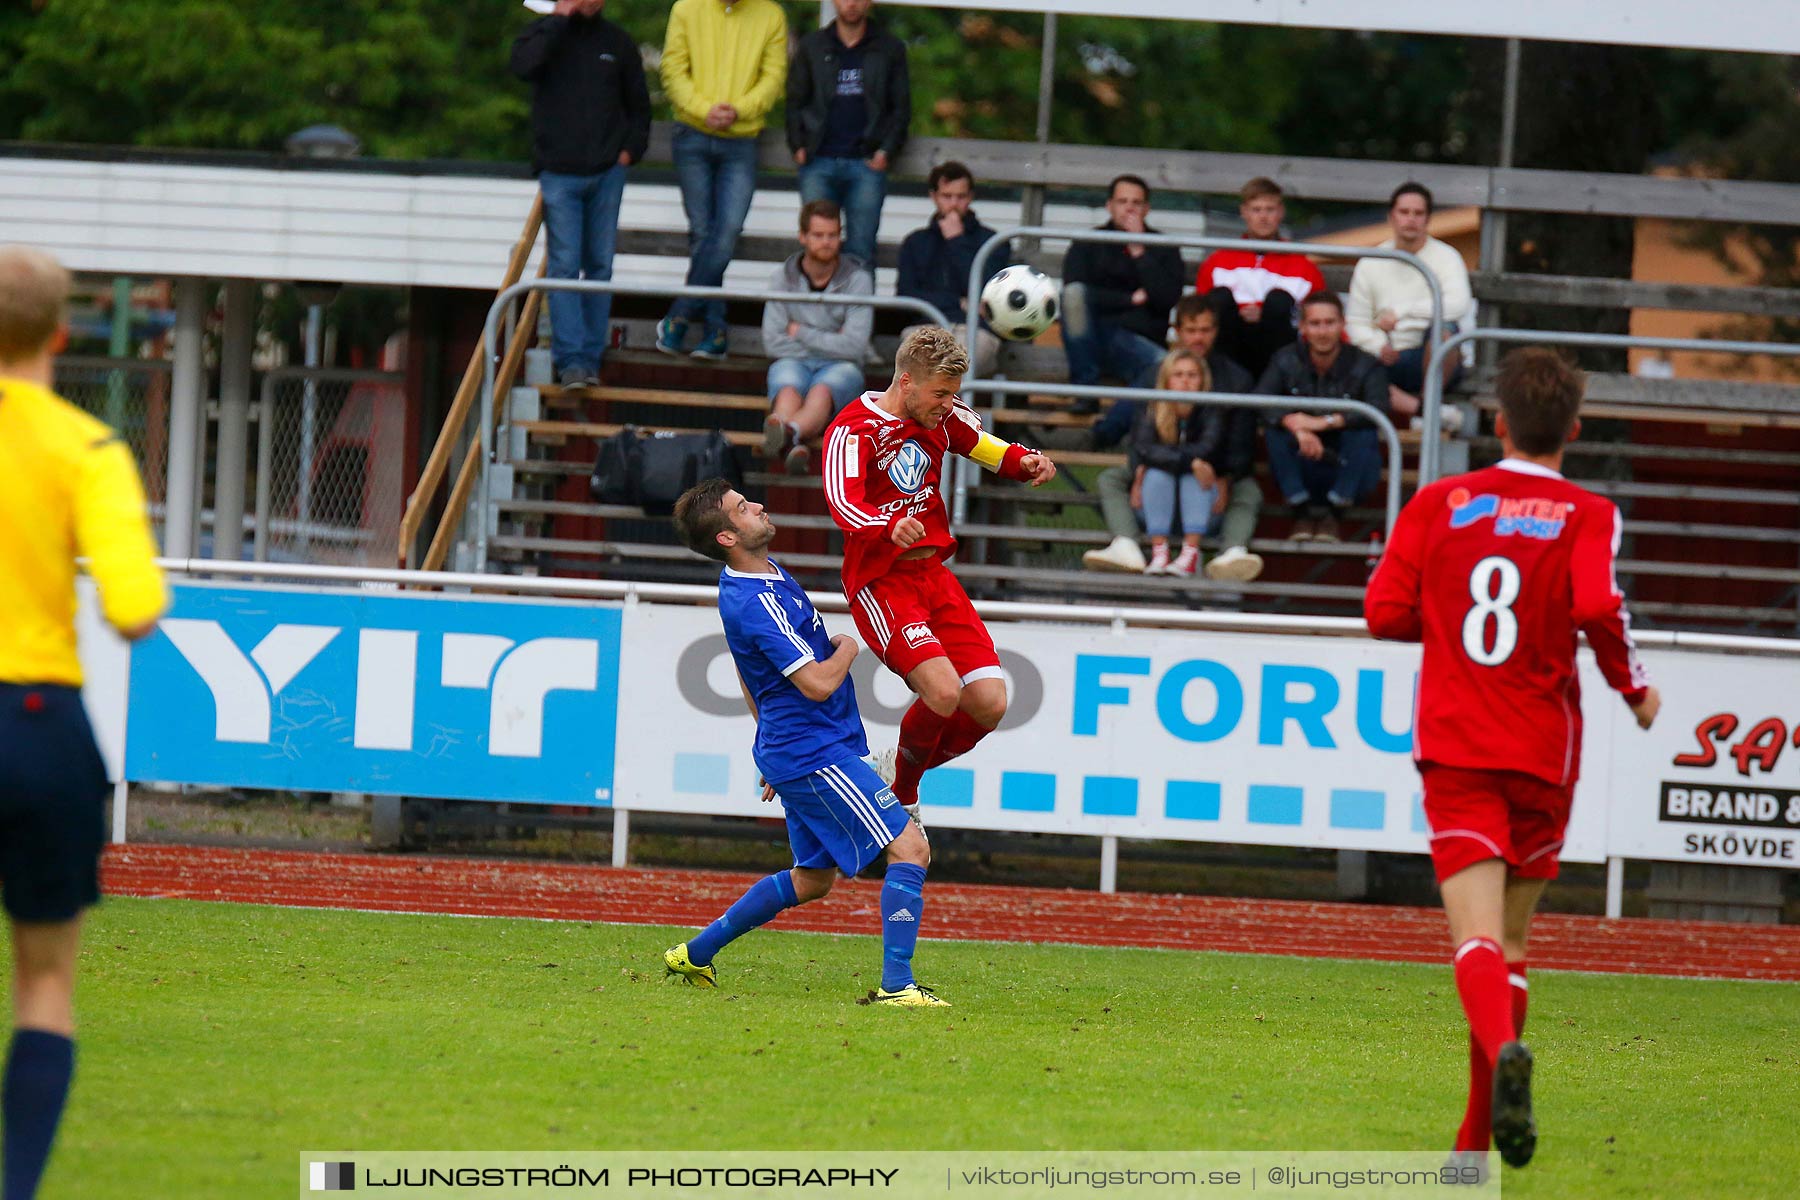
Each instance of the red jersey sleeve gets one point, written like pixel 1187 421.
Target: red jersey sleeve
pixel 1391 604
pixel 1599 605
pixel 962 429
pixel 1203 281
pixel 844 474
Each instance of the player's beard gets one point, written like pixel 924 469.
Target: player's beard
pixel 759 539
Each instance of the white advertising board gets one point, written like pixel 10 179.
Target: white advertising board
pixel 1718 780
pixel 1217 737
pixel 1237 737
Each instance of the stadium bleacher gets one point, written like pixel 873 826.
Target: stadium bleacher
pixel 1641 452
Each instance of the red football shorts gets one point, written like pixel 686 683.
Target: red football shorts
pixel 918 611
pixel 1479 814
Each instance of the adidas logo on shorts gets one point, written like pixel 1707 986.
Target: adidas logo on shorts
pixel 904 914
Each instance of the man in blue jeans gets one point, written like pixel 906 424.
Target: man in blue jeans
pixel 724 67
pixel 818 348
pixel 590 120
pixel 1324 462
pixel 1116 298
pixel 849 104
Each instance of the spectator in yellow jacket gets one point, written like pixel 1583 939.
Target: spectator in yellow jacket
pixel 724 68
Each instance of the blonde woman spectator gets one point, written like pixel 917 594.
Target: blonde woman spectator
pixel 1171 443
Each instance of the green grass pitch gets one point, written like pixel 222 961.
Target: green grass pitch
pixel 219 1040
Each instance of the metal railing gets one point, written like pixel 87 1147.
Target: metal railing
pixel 978 277
pixel 1060 614
pixel 396 578
pixel 1389 434
pixel 489 350
pixel 132 396
pixel 437 463
pixel 1432 400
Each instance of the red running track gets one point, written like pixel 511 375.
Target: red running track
pixel 485 887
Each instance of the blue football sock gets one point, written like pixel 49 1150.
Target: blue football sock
pixel 902 904
pixel 758 906
pixel 38 1068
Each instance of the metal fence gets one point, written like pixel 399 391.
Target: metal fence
pixel 1432 399
pixel 499 313
pixel 329 457
pixel 132 396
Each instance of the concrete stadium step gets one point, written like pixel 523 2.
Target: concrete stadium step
pixel 1490 447
pixel 600 429
pixel 560 397
pixel 1707 401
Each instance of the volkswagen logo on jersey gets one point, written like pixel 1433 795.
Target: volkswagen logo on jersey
pixel 907 470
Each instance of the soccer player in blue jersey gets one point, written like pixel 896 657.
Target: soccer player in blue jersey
pixel 810 749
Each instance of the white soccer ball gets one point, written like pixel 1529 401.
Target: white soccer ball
pixel 1019 303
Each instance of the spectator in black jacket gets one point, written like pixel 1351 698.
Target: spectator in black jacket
pixel 935 260
pixel 1171 444
pixel 1116 298
pixel 590 120
pixel 1324 462
pixel 849 105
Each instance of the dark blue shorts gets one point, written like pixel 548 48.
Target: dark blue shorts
pixel 52 803
pixel 843 816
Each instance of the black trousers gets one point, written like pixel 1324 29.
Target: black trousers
pixel 1251 344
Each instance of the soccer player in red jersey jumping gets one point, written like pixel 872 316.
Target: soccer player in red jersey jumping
pixel 883 456
pixel 1495 572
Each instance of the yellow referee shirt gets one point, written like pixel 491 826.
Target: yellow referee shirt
pixel 68 488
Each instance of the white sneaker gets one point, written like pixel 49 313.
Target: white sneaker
pixel 886 764
pixel 1122 555
pixel 1236 564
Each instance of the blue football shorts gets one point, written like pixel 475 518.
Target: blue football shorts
pixel 843 815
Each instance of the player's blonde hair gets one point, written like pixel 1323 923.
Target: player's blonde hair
pixel 34 299
pixel 929 351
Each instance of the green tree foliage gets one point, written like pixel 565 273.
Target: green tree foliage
pixel 428 78
pixel 411 78
pixel 1754 102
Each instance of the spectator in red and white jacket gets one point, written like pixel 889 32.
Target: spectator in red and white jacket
pixel 1257 295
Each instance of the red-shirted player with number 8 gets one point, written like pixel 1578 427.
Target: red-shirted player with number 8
pixel 1495 572
pixel 883 455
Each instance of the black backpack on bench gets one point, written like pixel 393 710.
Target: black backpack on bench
pixel 652 470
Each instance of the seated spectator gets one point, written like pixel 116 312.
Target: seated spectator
pixel 849 104
pixel 1389 310
pixel 818 348
pixel 1324 462
pixel 935 260
pixel 1196 330
pixel 1171 444
pixel 1256 293
pixel 1116 298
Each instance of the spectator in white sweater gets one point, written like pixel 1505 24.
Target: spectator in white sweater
pixel 1389 313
